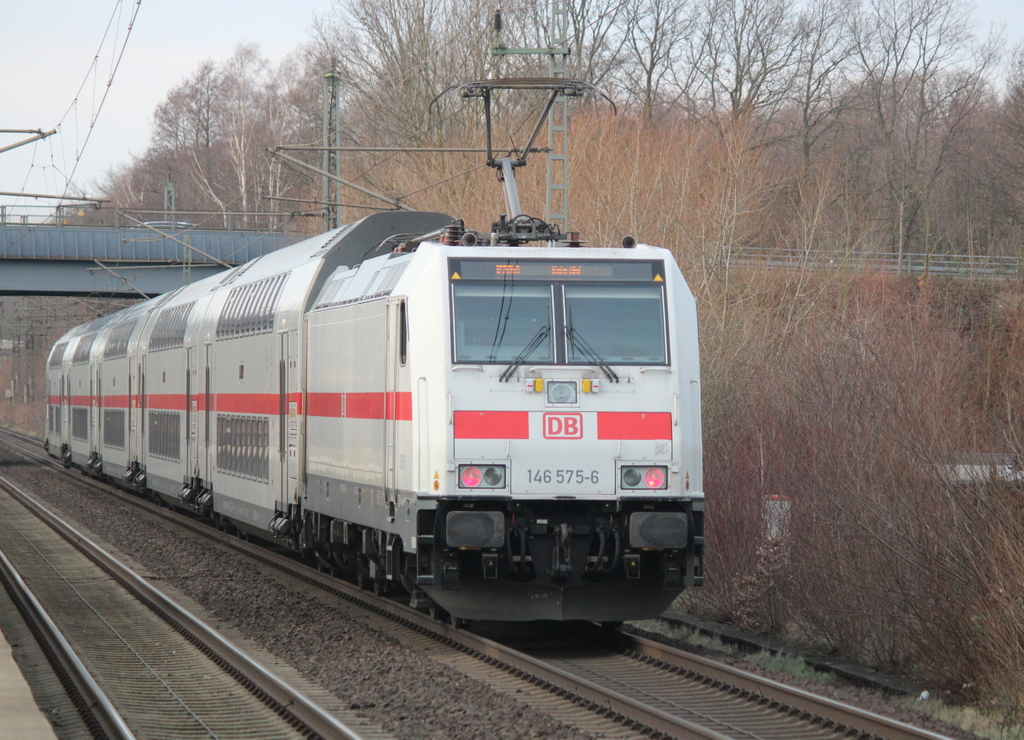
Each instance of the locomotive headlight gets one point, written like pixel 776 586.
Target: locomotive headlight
pixel 494 476
pixel 643 478
pixel 631 477
pixel 561 391
pixel 481 476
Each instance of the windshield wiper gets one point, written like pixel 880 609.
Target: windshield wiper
pixel 588 352
pixel 528 350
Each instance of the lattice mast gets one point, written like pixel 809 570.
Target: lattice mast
pixel 330 194
pixel 556 212
pixel 557 204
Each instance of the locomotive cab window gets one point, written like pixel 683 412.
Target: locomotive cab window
pixel 621 324
pixel 498 323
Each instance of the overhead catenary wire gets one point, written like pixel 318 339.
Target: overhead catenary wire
pixel 115 64
pixel 60 164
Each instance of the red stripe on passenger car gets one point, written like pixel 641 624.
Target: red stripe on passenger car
pixel 165 401
pixel 392 405
pixel 492 425
pixel 356 406
pixel 248 403
pixel 364 405
pixel 634 425
pixel 323 404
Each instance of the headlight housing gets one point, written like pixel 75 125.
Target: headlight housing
pixel 482 476
pixel 643 477
pixel 562 392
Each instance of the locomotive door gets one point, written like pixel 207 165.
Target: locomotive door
pixel 92 409
pixel 141 451
pixel 97 402
pixel 64 413
pixel 209 451
pixel 289 395
pixel 394 358
pixel 130 439
pixel 191 410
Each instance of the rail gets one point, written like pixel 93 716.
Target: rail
pixel 92 703
pixel 280 696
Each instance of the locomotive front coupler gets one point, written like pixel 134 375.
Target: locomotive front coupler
pixel 560 542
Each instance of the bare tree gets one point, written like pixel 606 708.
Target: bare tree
pixel 250 106
pixel 1012 120
pixel 922 73
pixel 396 56
pixel 188 114
pixel 210 136
pixel 655 33
pixel 597 39
pixel 746 56
pixel 824 50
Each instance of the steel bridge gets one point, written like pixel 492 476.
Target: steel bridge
pixel 129 260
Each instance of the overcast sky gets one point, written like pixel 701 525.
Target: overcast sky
pixel 47 48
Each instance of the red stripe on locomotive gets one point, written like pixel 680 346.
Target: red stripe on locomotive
pixel 634 425
pixel 492 425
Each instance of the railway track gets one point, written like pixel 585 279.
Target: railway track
pixel 142 665
pixel 597 680
pixel 96 716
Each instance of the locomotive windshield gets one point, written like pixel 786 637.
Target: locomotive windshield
pixel 621 324
pixel 612 318
pixel 497 323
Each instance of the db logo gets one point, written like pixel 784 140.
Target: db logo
pixel 563 426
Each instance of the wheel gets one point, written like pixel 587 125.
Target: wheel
pixel 362 576
pixel 436 612
pixel 460 623
pixel 381 588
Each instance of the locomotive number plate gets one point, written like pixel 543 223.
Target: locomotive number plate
pixel 562 477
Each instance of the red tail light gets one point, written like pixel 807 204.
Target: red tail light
pixel 471 477
pixel 654 477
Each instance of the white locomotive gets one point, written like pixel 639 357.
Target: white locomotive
pixel 508 432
